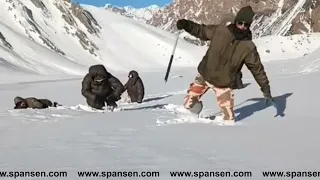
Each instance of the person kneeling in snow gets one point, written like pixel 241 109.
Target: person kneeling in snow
pixel 34 103
pixel 134 87
pixel 100 87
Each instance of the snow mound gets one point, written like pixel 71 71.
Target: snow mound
pixel 273 48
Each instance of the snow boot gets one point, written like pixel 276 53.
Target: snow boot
pixel 196 108
pixel 229 122
pixel 55 104
pixel 111 106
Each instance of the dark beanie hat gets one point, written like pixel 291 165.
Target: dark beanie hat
pixel 245 14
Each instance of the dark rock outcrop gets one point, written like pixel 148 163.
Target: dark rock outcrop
pixel 5 42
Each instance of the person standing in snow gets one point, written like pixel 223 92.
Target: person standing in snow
pixel 34 103
pixel 230 48
pixel 134 87
pixel 100 87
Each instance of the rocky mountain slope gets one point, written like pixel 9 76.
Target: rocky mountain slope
pixel 33 18
pixel 274 17
pixel 59 37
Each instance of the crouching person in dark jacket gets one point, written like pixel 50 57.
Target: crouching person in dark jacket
pixel 135 87
pixel 100 87
pixel 34 103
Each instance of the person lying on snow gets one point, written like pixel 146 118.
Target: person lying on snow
pixel 134 87
pixel 100 87
pixel 231 47
pixel 34 103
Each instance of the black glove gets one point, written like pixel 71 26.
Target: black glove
pixel 181 24
pixel 98 98
pixel 269 99
pixel 113 98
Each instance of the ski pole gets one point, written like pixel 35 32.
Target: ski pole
pixel 171 57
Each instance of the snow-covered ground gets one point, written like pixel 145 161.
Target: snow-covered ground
pixel 151 136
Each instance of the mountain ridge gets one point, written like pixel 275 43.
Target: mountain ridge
pixel 61 37
pixel 287 17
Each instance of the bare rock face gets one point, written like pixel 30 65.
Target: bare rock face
pixel 39 4
pixel 311 17
pixel 30 25
pixel 274 17
pixel 281 17
pixel 86 18
pixel 5 42
pixel 315 19
pixel 70 11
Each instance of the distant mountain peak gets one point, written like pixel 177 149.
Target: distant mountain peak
pixel 141 14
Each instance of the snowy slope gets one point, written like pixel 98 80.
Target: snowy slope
pixel 144 138
pixel 148 47
pixel 287 47
pixel 54 38
pixel 35 32
pixel 152 136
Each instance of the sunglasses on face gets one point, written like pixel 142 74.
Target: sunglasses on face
pixel 243 23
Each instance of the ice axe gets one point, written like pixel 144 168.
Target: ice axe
pixel 171 58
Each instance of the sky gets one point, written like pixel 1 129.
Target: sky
pixel 133 3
